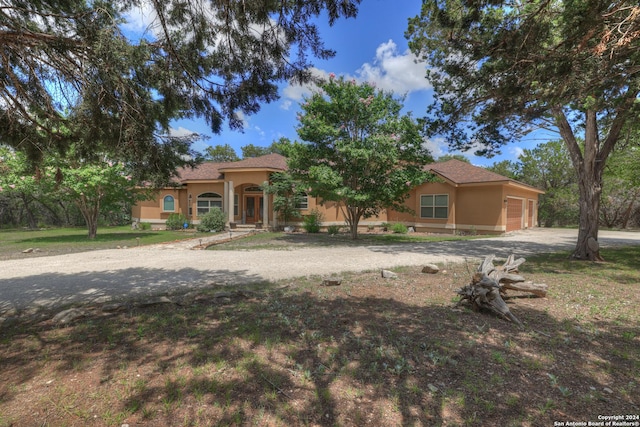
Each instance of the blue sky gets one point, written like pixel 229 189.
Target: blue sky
pixel 371 47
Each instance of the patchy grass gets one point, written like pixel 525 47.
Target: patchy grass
pixel 57 241
pixel 291 241
pixel 372 351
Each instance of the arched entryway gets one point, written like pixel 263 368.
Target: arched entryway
pixel 253 204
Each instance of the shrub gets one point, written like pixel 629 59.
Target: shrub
pixel 176 221
pixel 214 220
pixel 311 223
pixel 385 226
pixel 333 230
pixel 144 226
pixel 399 228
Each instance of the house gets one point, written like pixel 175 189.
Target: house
pixel 463 198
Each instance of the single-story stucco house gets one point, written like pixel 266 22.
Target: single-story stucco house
pixel 464 198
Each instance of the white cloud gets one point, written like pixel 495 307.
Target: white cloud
pixel 437 146
pixel 141 19
pixel 180 132
pixel 394 71
pixel 516 152
pixel 297 92
pixel 390 70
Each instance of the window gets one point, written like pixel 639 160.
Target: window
pixel 303 202
pixel 206 201
pixel 236 202
pixel 434 206
pixel 168 204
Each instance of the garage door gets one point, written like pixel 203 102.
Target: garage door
pixel 514 214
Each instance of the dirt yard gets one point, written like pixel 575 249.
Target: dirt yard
pixel 372 351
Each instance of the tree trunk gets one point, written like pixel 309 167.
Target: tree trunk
pixel 589 164
pixel 31 218
pixel 587 247
pixel 90 214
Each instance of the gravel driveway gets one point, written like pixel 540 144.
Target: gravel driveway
pixel 50 282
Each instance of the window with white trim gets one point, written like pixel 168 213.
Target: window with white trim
pixel 207 201
pixel 168 204
pixel 303 202
pixel 434 206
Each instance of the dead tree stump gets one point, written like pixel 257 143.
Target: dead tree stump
pixel 489 283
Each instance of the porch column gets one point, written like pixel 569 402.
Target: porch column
pixel 231 200
pixel 225 205
pixel 265 208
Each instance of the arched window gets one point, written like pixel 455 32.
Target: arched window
pixel 206 201
pixel 168 204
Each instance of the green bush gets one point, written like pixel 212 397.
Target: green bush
pixel 399 228
pixel 144 226
pixel 333 230
pixel 176 221
pixel 214 220
pixel 311 223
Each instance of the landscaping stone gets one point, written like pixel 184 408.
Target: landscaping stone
pixel 430 269
pixel 389 274
pixel 68 316
pixel 332 281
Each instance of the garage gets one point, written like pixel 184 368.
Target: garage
pixel 515 214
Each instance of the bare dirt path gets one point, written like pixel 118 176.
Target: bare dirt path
pixel 50 282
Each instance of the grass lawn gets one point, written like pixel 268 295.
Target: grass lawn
pixel 57 241
pixel 291 241
pixel 372 351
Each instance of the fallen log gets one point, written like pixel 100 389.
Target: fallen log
pixel 489 283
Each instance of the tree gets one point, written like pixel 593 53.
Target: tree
pixel 549 168
pixel 95 188
pixel 221 153
pixel 280 146
pixel 460 157
pixel 621 192
pixel 500 70
pixel 288 194
pixel 505 168
pixel 210 59
pixel 358 150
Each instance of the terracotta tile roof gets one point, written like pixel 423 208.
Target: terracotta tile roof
pixel 268 161
pixel 460 172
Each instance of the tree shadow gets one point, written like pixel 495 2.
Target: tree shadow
pixel 279 356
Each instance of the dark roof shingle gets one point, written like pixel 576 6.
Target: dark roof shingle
pixel 460 172
pixel 208 171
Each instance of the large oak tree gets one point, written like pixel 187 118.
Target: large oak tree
pixel 501 69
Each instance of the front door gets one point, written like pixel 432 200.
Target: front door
pixel 253 208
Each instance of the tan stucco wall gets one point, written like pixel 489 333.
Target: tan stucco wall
pixel 151 210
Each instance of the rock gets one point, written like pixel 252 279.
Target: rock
pixel 332 281
pixel 432 388
pixel 27 251
pixel 411 230
pixel 431 269
pixel 68 316
pixel 607 390
pixel 388 274
pixel 289 229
